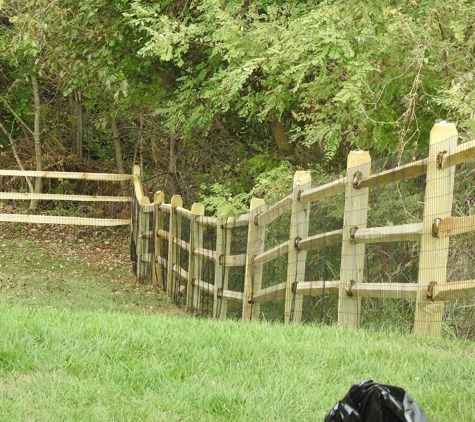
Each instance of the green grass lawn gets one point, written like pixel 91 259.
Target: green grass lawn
pixel 58 364
pixel 72 349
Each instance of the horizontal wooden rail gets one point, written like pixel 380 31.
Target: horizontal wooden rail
pixel 229 294
pixel 71 221
pixel 318 288
pixel 67 175
pixel 269 293
pixel 184 212
pixel 323 191
pixel 163 234
pixel 203 285
pixel 321 240
pixel 452 226
pixel 233 260
pixel 402 233
pixel 208 254
pixel 241 221
pixel 273 253
pixel 405 172
pixel 385 290
pixel 308 244
pixel 207 221
pixel 231 222
pixel 62 197
pixel 463 153
pixel 275 211
pixel 165 208
pixel 182 273
pixel 182 244
pixel 454 290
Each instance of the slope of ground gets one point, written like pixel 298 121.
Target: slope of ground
pixel 81 340
pixel 73 267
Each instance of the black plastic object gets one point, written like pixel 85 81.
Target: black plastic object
pixel 368 401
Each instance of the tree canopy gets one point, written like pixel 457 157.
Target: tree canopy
pixel 366 74
pixel 216 90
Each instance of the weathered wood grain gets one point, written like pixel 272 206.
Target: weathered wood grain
pixel 70 221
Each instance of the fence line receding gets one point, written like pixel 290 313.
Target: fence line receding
pixel 198 272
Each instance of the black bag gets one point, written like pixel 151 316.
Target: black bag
pixel 369 401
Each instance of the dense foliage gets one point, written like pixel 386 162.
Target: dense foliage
pixel 211 94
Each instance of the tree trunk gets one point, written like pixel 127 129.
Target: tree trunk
pixel 72 119
pixel 118 150
pixel 173 168
pixel 280 135
pixel 37 140
pixel 77 126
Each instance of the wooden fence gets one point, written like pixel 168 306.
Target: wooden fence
pixel 158 249
pixel 51 219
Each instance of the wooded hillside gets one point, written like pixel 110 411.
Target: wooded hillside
pixel 216 98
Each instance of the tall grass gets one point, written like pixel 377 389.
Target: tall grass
pixel 77 365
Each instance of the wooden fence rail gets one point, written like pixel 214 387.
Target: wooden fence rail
pixel 432 233
pixel 50 219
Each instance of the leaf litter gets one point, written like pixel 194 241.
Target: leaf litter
pixel 76 264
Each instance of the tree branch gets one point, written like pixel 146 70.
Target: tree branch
pixel 444 52
pixel 17 157
pixel 17 116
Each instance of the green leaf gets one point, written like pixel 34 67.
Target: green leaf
pixel 169 55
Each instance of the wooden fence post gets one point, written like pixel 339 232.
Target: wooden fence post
pixel 158 224
pixel 142 227
pixel 134 224
pixel 296 257
pixel 144 245
pixel 253 272
pixel 352 254
pixel 434 251
pixel 217 266
pixel 221 273
pixel 173 248
pixel 194 266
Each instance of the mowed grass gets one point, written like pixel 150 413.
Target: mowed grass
pixel 58 365
pixel 81 342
